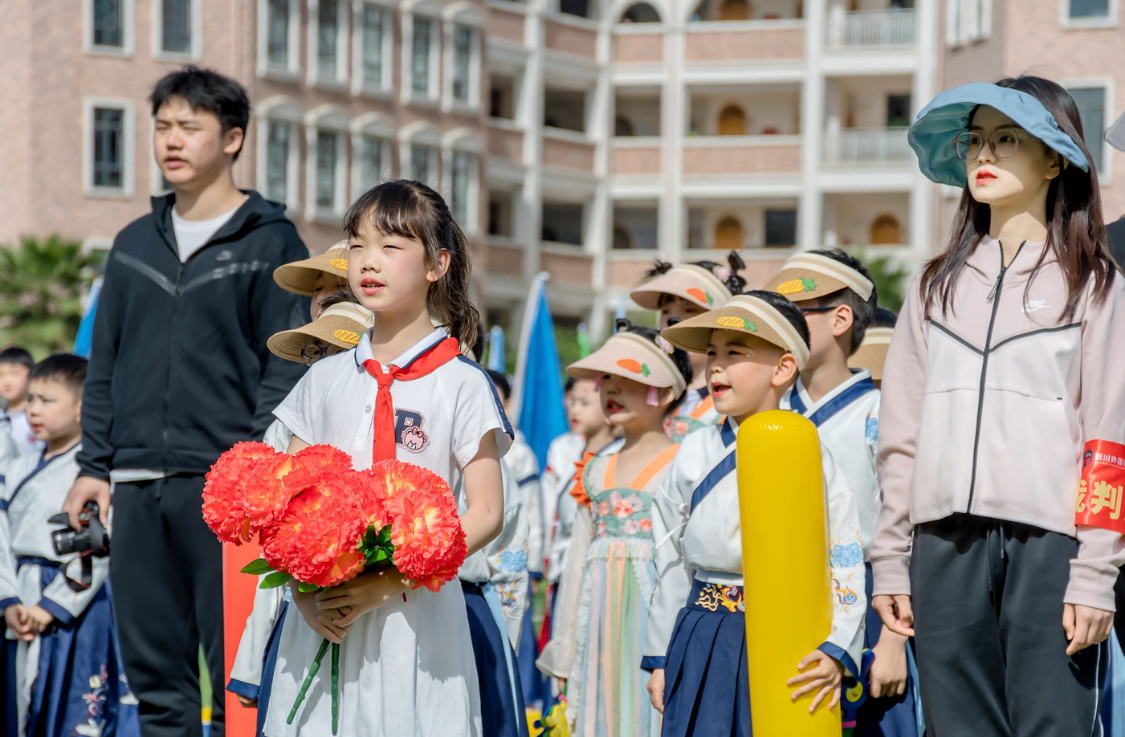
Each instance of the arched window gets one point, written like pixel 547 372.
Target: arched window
pixel 734 10
pixel 732 121
pixel 886 230
pixel 622 238
pixel 641 13
pixel 728 234
pixel 623 127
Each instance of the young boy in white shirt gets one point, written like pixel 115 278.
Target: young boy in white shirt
pixel 837 295
pixel 15 364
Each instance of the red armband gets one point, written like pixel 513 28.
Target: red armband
pixel 1103 484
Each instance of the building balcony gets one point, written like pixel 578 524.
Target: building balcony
pixel 505 141
pixel 571 36
pixel 635 156
pixel 566 149
pixel 638 45
pixel 863 147
pixel 742 155
pixel 744 40
pixel 507 23
pixel 863 30
pixel 866 219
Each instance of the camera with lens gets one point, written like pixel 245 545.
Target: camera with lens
pixel 91 540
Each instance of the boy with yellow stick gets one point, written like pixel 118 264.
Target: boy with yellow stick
pixel 696 637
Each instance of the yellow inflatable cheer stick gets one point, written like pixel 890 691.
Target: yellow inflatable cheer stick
pixel 785 567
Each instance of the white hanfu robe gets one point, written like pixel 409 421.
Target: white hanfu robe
pixel 406 668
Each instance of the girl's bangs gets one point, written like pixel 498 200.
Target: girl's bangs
pixel 392 208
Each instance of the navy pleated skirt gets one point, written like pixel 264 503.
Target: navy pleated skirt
pixel 269 665
pixel 706 686
pixel 500 716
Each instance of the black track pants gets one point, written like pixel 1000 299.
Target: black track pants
pixel 988 609
pixel 166 569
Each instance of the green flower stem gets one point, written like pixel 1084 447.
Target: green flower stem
pixel 335 685
pixel 308 682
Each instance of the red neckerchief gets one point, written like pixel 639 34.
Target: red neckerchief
pixel 428 362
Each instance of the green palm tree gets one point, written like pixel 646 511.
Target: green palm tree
pixel 41 284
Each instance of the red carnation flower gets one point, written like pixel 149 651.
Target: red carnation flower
pixel 311 460
pixel 225 492
pixel 271 483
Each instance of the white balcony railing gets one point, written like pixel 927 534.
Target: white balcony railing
pixel 862 29
pixel 866 147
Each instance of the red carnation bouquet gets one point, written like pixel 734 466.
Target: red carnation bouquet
pixel 320 522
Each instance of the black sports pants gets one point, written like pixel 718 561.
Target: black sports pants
pixel 988 608
pixel 166 569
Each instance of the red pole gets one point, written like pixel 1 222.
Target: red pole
pixel 238 601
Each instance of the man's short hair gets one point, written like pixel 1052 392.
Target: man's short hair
pixel 17 355
pixel 66 368
pixel 862 312
pixel 209 91
pixel 884 318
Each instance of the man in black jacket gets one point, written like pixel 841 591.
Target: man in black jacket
pixel 179 372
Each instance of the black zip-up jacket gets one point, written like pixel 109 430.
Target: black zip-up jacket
pixel 179 369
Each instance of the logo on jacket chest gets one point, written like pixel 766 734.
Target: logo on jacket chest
pixel 408 430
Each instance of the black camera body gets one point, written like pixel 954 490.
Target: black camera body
pixel 91 540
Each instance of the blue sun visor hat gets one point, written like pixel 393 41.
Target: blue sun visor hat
pixel 938 124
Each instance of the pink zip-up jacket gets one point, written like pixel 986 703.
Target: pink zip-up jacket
pixel 986 409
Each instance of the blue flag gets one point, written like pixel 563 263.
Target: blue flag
pixel 538 388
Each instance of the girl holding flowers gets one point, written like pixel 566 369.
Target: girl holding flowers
pixel 406 393
pixel 641 378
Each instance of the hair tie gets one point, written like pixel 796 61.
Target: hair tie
pixel 653 397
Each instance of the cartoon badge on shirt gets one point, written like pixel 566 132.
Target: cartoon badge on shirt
pixel 408 430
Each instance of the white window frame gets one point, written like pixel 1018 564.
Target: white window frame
pixel 128 149
pixel 326 119
pixel 158 33
pixel 360 84
pixel 421 133
pixel 343 34
pixel 375 125
pixel 467 15
pixel 431 12
pixel 127 40
pixel 464 140
pixel 291 72
pixel 1109 21
pixel 980 10
pixel 280 109
pixel 1105 173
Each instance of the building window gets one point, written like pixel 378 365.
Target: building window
pixel 109 23
pixel 374 28
pixel 420 56
pixel 1091 108
pixel 326 162
pixel 1089 8
pixel 277 32
pixel 562 223
pixel 279 135
pixel 734 10
pixel 781 228
pixel 886 231
pixel 732 121
pixel 327 38
pixel 175 26
pixel 461 191
pixel 728 234
pixel 372 159
pixel 462 62
pixel 898 111
pixel 422 160
pixel 109 147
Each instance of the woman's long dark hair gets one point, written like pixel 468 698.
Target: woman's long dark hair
pixel 1076 235
pixel 413 210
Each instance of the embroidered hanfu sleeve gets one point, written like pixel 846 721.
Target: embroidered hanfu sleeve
pixel 64 603
pixel 246 673
pixel 670 513
pixel 845 553
pixel 507 559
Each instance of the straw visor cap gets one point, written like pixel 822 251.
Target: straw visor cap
pixel 631 356
pixel 931 135
pixel 872 352
pixel 744 314
pixel 300 277
pixel 811 276
pixel 341 325
pixel 693 283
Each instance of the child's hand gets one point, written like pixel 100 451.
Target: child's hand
pixel 888 672
pixel 320 620
pixel 39 618
pixel 656 689
pixel 247 702
pixel 15 616
pixel 896 613
pixel 364 593
pixel 826 676
pixel 1085 626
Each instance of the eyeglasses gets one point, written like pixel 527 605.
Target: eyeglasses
pixel 1004 144
pixel 814 310
pixel 313 353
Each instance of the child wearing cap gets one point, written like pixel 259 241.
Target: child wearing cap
pixel 679 293
pixel 696 640
pixel 838 298
pixel 640 378
pixel 872 352
pixel 999 539
pixel 318 277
